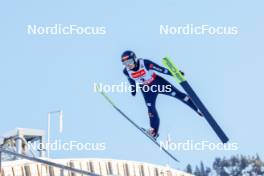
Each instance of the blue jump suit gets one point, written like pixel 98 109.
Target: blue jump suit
pixel 138 74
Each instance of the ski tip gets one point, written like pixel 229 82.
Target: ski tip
pixel 97 88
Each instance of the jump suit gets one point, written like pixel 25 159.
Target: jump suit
pixel 144 75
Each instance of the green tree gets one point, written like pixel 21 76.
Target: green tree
pixel 197 171
pixel 202 170
pixel 189 169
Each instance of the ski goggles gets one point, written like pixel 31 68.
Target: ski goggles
pixel 124 58
pixel 128 62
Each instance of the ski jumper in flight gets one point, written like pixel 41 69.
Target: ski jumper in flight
pixel 143 73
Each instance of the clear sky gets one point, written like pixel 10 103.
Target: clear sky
pixel 44 73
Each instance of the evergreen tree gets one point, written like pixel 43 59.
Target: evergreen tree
pixel 258 166
pixel 243 162
pixel 189 169
pixel 197 171
pixel 238 165
pixel 208 171
pixel 202 170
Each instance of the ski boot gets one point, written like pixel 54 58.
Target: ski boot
pixel 151 132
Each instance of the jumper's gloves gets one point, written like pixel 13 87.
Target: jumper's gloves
pixel 181 72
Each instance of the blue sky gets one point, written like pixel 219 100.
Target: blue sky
pixel 44 73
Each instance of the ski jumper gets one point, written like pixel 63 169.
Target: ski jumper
pixel 144 74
